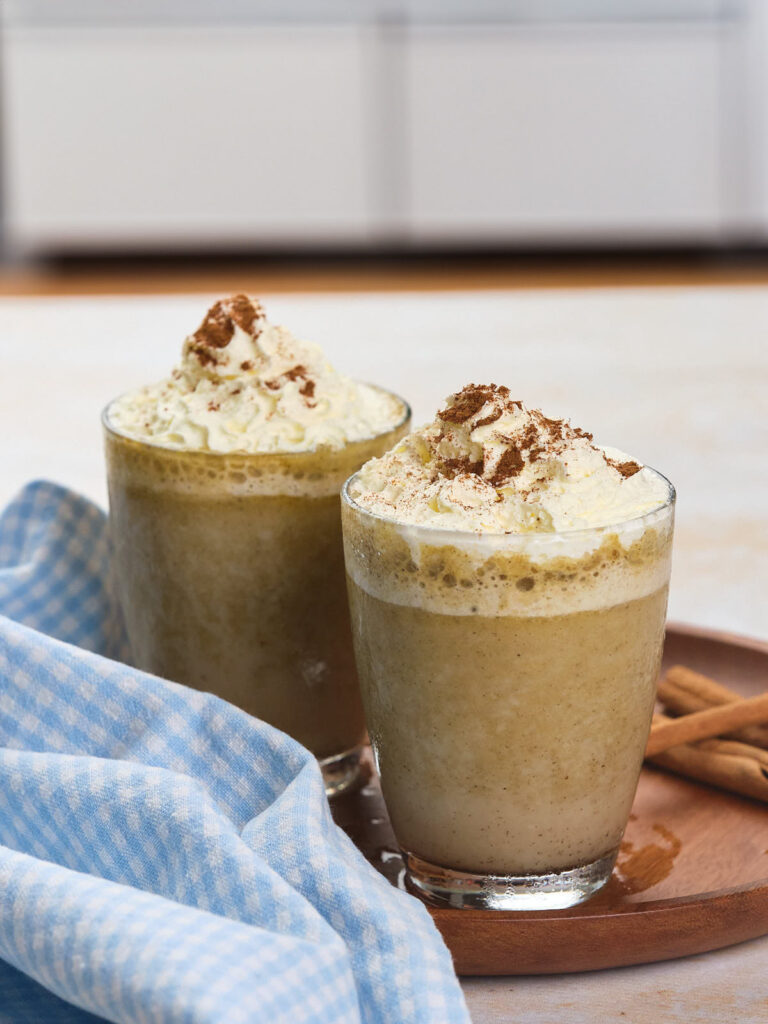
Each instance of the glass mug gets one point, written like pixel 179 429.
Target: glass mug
pixel 508 683
pixel 230 573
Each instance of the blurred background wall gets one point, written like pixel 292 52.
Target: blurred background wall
pixel 173 125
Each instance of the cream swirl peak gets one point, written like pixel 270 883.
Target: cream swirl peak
pixel 489 464
pixel 246 385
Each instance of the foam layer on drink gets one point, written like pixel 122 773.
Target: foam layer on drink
pixel 246 385
pixel 495 509
pixel 465 574
pixel 238 475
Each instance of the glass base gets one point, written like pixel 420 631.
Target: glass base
pixel 555 890
pixel 341 771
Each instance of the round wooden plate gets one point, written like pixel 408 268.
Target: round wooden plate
pixel 692 874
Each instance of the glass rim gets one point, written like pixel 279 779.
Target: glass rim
pixel 111 428
pixel 529 535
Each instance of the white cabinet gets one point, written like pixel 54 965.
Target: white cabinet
pixel 530 132
pixel 570 121
pixel 244 135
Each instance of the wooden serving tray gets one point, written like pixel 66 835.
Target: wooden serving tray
pixel 692 874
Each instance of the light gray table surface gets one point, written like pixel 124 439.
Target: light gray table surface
pixel 677 377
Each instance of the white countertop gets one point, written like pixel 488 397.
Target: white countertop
pixel 677 377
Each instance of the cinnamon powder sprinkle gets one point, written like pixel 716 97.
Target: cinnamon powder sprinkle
pixel 456 467
pixel 471 399
pixel 490 418
pixel 215 331
pixel 218 327
pixel 296 373
pixel 203 355
pixel 627 469
pixel 509 465
pixel 245 311
pixel 542 436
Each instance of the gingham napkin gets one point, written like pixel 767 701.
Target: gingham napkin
pixel 163 856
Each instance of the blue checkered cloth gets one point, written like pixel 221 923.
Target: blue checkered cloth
pixel 163 856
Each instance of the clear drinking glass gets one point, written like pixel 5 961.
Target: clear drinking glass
pixel 230 574
pixel 508 683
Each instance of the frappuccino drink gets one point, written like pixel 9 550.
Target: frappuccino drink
pixel 508 585
pixel 224 487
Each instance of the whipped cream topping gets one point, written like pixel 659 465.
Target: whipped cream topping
pixel 246 385
pixel 488 464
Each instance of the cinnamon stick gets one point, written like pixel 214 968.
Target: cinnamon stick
pixel 714 721
pixel 682 691
pixel 737 767
pixel 704 687
pixel 681 701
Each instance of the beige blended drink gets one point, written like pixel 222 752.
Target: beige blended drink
pixel 224 503
pixel 508 586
